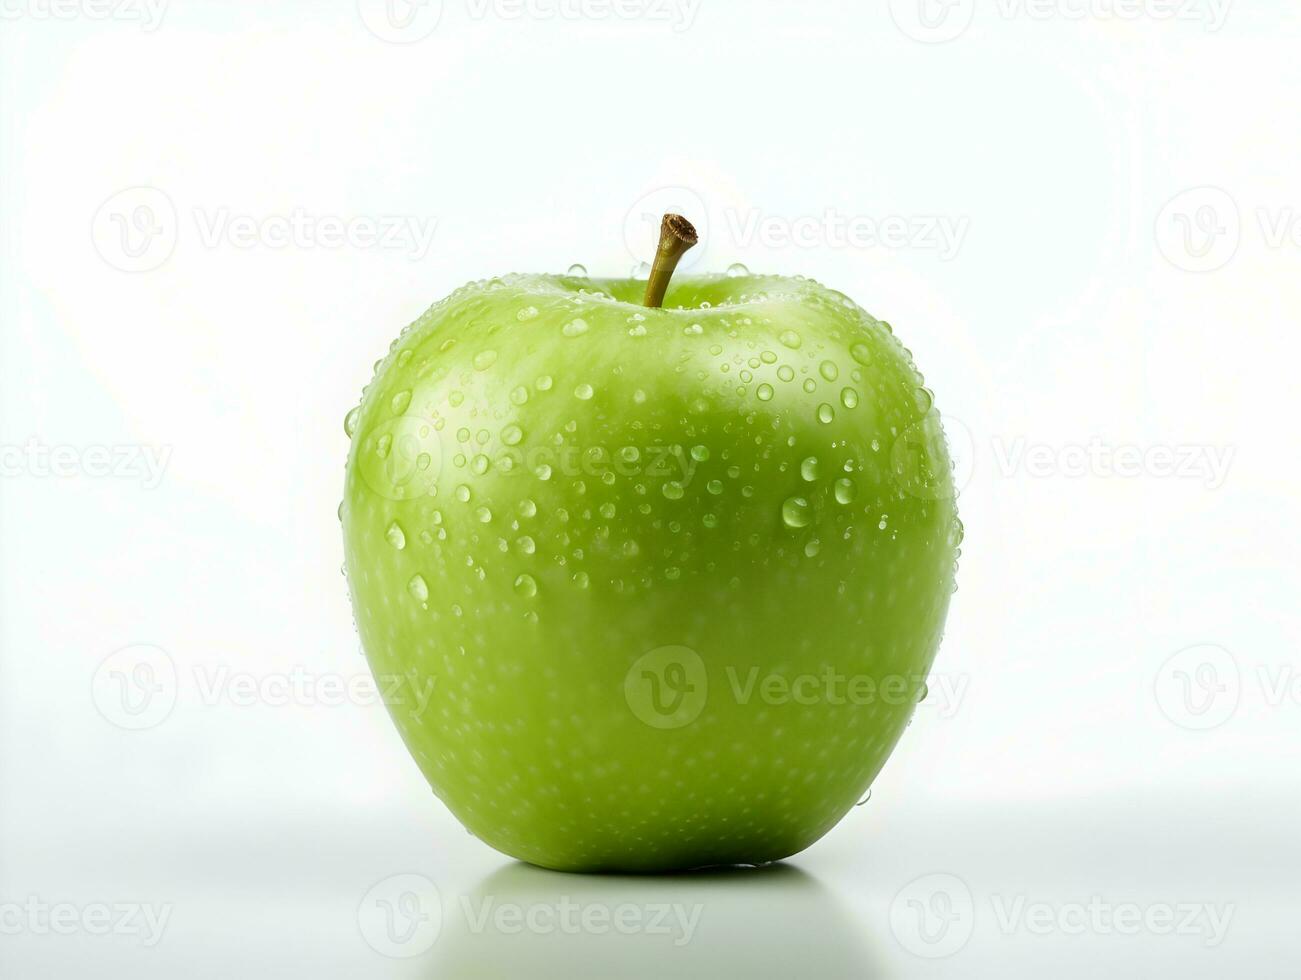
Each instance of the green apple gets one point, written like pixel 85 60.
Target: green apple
pixel 649 588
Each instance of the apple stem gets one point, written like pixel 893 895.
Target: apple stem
pixel 677 234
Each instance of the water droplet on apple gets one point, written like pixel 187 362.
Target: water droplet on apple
pixel 715 487
pixel 673 490
pixel 845 490
pixel 383 445
pixel 350 421
pixel 584 392
pixel 826 413
pixel 693 330
pixel 764 392
pixel 849 398
pixel 864 799
pixel 519 395
pixel 542 471
pixel 795 512
pixel 418 588
pixel 526 313
pixel 526 586
pixel 526 545
pixel 736 270
pixel 463 494
pixel 544 383
pixel 710 520
pixel 881 524
pixel 581 579
pixel 922 400
pixel 809 469
pixel 396 537
pixel 485 359
pixel 791 339
pixel 484 515
pixel 577 270
pixel 641 270
pixel 511 435
pixel 829 370
pixel 700 453
pixel 575 328
pixel 812 548
pixel 861 353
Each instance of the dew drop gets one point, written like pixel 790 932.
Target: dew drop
pixel 527 507
pixel 826 413
pixel 484 515
pixel 795 512
pixel 845 490
pixel 922 400
pixel 511 435
pixel 809 469
pixel 582 579
pixel 519 395
pixel 829 370
pixel 350 421
pixel 526 586
pixel 849 398
pixel 418 588
pixel 861 353
pixel 672 490
pixel 791 339
pixel 485 359
pixel 736 270
pixel 812 548
pixel 577 270
pixel 575 328
pixel 526 545
pixel 544 383
pixel 396 537
pixel 527 313
pixel 700 453
pixel 584 392
pixel 764 392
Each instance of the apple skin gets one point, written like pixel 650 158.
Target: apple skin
pixel 623 622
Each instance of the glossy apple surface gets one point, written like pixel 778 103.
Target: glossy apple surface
pixel 649 589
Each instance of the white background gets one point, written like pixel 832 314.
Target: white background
pixel 1111 329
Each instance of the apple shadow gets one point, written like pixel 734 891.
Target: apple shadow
pixel 775 921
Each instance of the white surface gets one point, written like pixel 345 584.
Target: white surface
pixel 1066 323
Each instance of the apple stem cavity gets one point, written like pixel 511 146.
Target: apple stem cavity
pixel 677 234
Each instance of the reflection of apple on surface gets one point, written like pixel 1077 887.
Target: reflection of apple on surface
pixel 671 578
